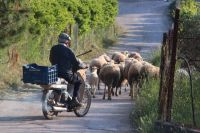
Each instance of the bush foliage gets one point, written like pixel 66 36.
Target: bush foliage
pixel 31 27
pixel 30 22
pixel 189 29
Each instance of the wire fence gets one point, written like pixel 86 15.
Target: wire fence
pixel 180 77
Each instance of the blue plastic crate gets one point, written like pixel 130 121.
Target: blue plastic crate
pixel 43 75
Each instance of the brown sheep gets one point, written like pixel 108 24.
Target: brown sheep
pixel 118 57
pixel 136 56
pixel 99 62
pixel 124 83
pixel 122 78
pixel 128 63
pixel 150 71
pixel 134 78
pixel 110 76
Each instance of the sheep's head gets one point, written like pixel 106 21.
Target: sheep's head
pixel 135 55
pixel 106 57
pixel 126 53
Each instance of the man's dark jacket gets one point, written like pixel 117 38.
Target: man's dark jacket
pixel 64 58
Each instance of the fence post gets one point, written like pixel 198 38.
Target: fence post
pixel 161 91
pixel 172 65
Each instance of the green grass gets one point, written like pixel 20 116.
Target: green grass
pixel 156 58
pixel 145 112
pixel 146 109
pixel 182 109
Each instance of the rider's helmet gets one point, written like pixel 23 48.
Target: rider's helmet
pixel 64 38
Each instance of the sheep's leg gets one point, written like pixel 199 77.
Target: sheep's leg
pixel 91 89
pixel 135 91
pixel 104 93
pixel 116 93
pixel 131 91
pixel 112 91
pixel 105 87
pixel 98 84
pixel 94 92
pixel 125 87
pixel 109 92
pixel 120 90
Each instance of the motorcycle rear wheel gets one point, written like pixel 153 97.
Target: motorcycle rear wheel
pixel 46 105
pixel 86 100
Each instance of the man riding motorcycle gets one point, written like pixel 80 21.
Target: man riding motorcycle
pixel 67 64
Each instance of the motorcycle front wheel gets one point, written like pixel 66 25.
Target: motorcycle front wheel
pixel 47 101
pixel 85 98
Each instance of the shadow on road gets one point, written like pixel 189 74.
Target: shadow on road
pixel 20 118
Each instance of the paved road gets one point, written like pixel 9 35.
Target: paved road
pixel 24 115
pixel 144 22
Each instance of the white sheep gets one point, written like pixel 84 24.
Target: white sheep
pixel 93 80
pixel 182 72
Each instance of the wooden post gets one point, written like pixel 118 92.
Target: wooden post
pixel 167 69
pixel 160 99
pixel 172 66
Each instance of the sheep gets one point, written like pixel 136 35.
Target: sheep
pixel 136 56
pixel 118 57
pixel 99 62
pixel 110 76
pixel 124 83
pixel 121 80
pixel 93 80
pixel 182 72
pixel 128 63
pixel 126 53
pixel 134 77
pixel 150 71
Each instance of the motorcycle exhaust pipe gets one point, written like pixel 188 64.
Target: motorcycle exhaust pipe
pixel 59 109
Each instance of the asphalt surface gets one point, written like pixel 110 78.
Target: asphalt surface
pixel 144 22
pixel 24 115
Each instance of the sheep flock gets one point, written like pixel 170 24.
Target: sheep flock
pixel 121 69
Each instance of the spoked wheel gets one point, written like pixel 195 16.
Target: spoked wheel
pixel 85 98
pixel 48 100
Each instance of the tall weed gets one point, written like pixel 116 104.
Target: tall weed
pixel 182 107
pixel 145 112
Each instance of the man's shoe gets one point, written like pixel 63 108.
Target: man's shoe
pixel 75 103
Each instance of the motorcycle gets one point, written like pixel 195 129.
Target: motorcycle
pixel 56 99
pixel 57 96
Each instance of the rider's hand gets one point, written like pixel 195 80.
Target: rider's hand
pixel 83 66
